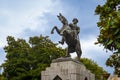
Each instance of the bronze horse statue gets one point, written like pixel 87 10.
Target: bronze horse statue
pixel 65 31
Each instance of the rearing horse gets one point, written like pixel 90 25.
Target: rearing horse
pixel 66 32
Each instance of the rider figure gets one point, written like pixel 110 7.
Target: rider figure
pixel 74 30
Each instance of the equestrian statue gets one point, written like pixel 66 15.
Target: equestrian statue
pixel 69 33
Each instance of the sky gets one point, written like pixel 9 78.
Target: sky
pixel 27 18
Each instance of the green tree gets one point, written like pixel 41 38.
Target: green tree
pixel 109 25
pixel 26 60
pixel 94 68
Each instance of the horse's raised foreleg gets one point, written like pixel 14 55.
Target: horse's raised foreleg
pixel 57 30
pixel 52 31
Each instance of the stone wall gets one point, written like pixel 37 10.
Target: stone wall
pixel 66 69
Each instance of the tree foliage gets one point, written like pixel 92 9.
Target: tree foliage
pixel 109 25
pixel 94 68
pixel 26 60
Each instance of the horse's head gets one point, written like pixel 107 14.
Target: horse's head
pixel 62 18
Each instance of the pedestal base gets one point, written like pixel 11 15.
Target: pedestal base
pixel 66 69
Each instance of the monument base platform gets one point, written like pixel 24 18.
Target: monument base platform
pixel 66 69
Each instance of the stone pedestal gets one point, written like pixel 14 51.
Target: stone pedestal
pixel 66 69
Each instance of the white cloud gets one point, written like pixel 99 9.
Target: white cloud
pixel 88 45
pixel 16 18
pixel 95 52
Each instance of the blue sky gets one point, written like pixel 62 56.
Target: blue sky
pixel 26 18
